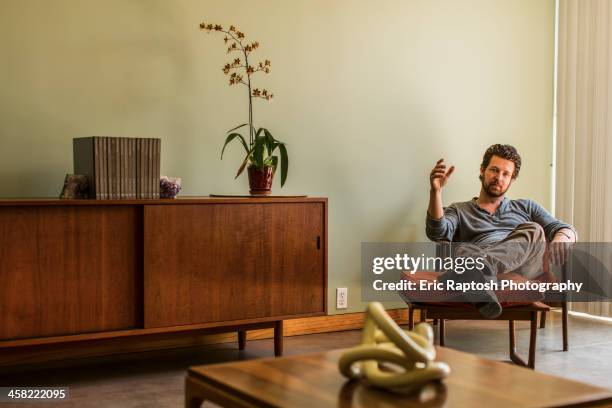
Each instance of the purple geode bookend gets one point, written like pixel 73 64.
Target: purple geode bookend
pixel 169 187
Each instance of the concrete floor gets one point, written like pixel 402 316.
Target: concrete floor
pixel 157 380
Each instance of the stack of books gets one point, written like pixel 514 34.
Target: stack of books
pixel 119 168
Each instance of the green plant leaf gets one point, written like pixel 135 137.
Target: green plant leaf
pixel 284 159
pixel 274 163
pixel 270 142
pixel 257 135
pixel 237 127
pixel 231 137
pixel 258 151
pixel 244 163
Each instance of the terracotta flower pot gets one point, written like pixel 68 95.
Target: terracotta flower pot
pixel 260 180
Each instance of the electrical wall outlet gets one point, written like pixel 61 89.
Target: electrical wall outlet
pixel 341 298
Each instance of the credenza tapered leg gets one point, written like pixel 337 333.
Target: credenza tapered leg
pixel 241 339
pixel 278 338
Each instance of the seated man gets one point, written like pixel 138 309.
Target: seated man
pixel 508 234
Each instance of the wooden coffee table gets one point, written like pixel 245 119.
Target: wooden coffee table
pixel 313 381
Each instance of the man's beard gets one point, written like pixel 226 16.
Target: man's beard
pixel 493 193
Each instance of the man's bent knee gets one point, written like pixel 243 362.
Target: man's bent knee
pixel 534 230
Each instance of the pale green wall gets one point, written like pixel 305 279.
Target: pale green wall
pixel 368 96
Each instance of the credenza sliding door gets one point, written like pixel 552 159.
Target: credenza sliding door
pixel 69 270
pixel 221 262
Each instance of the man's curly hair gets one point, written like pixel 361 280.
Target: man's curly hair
pixel 505 152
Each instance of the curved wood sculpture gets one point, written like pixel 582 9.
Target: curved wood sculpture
pixel 408 356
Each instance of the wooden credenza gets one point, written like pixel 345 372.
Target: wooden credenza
pixel 92 270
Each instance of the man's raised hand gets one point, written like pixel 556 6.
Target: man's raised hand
pixel 439 175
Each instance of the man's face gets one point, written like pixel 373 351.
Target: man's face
pixel 497 177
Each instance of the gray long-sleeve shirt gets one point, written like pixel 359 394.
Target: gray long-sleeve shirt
pixel 467 222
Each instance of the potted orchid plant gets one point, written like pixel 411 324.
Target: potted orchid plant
pixel 260 160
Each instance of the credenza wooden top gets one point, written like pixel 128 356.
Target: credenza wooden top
pixel 313 380
pixel 172 201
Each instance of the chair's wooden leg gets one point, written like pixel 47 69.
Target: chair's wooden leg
pixel 564 326
pixel 278 338
pixel 441 326
pixel 514 357
pixel 542 320
pixel 532 339
pixel 241 339
pixel 410 317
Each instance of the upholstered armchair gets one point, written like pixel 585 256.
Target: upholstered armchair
pixel 524 307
